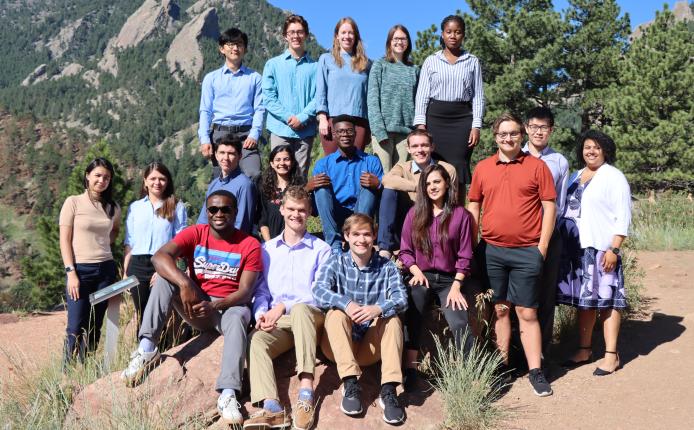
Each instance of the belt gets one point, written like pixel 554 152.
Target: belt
pixel 231 128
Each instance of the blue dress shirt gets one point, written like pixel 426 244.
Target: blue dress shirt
pixel 240 186
pixel 340 90
pixel 345 172
pixel 230 98
pixel 289 88
pixel 559 167
pixel 146 232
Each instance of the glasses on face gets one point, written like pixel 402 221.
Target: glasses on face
pixel 230 45
pixel 344 132
pixel 504 135
pixel 400 39
pixel 535 128
pixel 224 209
pixel 299 33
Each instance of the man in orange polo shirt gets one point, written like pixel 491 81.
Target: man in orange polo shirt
pixel 516 194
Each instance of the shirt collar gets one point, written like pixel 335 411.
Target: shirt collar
pixel 306 240
pixel 463 55
pixel 226 179
pixel 242 70
pixel 545 151
pixel 358 155
pixel 371 265
pixel 519 158
pixel 288 56
pixel 415 167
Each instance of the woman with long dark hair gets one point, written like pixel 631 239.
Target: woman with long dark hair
pixel 436 248
pixel 392 88
pixel 450 99
pixel 89 223
pixel 341 85
pixel 283 172
pixel 151 222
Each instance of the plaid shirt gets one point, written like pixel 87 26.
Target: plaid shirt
pixel 340 281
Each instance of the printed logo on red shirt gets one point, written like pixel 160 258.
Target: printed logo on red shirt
pixel 214 264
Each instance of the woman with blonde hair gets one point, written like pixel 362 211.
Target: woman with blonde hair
pixel 341 85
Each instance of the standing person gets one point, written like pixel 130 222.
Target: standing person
pixel 516 194
pixel 363 294
pixel 89 223
pixel 344 182
pixel 400 186
pixel 283 173
pixel 151 222
pixel 212 295
pixel 392 88
pixel 539 125
pixel 286 315
pixel 289 90
pixel 450 99
pixel 231 103
pixel 342 85
pixel 595 223
pixel 227 152
pixel 436 248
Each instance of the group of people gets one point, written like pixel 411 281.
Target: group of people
pixel 531 232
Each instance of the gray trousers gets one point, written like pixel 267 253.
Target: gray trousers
pixel 230 323
pixel 301 147
pixel 250 158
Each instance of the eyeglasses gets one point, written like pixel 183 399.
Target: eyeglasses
pixel 230 45
pixel 535 128
pixel 513 134
pixel 293 33
pixel 400 39
pixel 344 132
pixel 224 209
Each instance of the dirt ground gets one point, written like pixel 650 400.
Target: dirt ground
pixel 652 390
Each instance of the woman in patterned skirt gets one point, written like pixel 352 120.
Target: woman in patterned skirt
pixel 595 223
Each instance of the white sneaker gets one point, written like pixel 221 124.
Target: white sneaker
pixel 140 363
pixel 228 408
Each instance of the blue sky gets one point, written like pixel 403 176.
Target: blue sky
pixel 375 17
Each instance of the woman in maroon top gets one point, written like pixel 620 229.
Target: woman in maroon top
pixel 436 247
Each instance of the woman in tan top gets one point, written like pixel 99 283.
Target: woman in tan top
pixel 89 223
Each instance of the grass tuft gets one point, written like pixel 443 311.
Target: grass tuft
pixel 663 222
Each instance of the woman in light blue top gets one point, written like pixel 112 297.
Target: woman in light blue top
pixel 152 221
pixel 342 84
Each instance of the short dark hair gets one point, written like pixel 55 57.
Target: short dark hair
pixel 609 149
pixel 224 193
pixel 507 116
pixel 343 118
pixel 540 112
pixel 230 140
pixel 233 35
pixel 420 132
pixel 294 19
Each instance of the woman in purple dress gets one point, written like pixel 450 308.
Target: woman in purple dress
pixel 594 225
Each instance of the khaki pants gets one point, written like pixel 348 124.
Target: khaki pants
pixel 299 329
pixel 392 151
pixel 382 341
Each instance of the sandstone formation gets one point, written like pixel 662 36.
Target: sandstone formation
pixel 71 69
pixel 37 74
pixel 184 53
pixel 61 42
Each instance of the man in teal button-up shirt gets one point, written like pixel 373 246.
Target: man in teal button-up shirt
pixel 289 89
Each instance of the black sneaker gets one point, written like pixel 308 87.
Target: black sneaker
pixel 393 413
pixel 411 378
pixel 539 383
pixel 351 397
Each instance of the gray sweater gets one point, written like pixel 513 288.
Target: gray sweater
pixel 390 100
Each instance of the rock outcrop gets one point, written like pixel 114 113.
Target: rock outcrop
pixel 680 10
pixel 152 17
pixel 71 69
pixel 61 42
pixel 36 75
pixel 184 53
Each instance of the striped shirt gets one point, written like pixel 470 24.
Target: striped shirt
pixel 458 82
pixel 340 281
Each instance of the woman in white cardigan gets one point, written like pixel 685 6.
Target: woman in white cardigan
pixel 594 225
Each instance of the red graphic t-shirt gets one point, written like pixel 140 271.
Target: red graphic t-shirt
pixel 215 264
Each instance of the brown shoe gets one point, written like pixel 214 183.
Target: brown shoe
pixel 303 415
pixel 263 420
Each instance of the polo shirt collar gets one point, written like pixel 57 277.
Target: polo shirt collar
pixel 306 240
pixel 463 55
pixel 415 167
pixel 519 158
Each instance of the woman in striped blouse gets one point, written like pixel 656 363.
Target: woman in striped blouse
pixel 450 99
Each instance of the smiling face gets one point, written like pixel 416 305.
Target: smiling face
pixel 155 184
pixel 282 164
pixel 539 132
pixel 344 134
pixel 233 52
pixel 398 44
pixel 346 37
pixel 453 35
pixel 593 154
pixel 221 213
pixel 361 239
pixel 420 149
pixel 295 213
pixel 436 187
pixel 98 180
pixel 509 137
pixel 295 36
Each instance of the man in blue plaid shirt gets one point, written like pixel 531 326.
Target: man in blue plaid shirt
pixel 363 293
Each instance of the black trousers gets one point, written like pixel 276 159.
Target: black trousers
pixel 142 268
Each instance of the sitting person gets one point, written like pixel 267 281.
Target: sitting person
pixel 228 153
pixel 363 294
pixel 400 186
pixel 286 315
pixel 223 264
pixel 344 182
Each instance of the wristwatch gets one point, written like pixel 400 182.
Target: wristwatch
pixel 69 269
pixel 615 251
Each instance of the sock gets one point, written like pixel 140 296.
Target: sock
pixel 349 379
pixel 228 392
pixel 147 345
pixel 272 405
pixel 389 387
pixel 306 394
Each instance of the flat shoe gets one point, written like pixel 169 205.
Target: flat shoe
pixel 570 364
pixel 602 372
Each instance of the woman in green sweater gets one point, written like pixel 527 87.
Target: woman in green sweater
pixel 390 100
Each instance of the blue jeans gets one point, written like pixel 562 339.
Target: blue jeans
pixel 84 321
pixel 333 215
pixel 391 216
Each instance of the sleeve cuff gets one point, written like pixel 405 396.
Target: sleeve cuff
pixel 388 309
pixel 477 123
pixel 254 134
pixel 342 302
pixel 302 117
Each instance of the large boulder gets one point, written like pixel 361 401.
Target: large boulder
pixel 184 53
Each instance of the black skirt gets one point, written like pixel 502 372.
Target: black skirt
pixel 449 124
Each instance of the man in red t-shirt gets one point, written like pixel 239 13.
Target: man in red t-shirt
pixel 223 264
pixel 516 194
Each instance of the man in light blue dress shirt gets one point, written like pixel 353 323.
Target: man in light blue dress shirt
pixel 539 124
pixel 231 103
pixel 289 89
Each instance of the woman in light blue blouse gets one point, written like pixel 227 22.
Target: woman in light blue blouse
pixel 342 84
pixel 151 222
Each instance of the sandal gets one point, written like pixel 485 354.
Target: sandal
pixel 570 364
pixel 602 372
